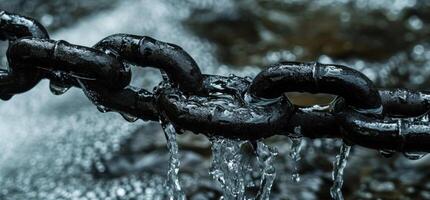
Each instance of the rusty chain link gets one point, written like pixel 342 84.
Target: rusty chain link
pixel 235 107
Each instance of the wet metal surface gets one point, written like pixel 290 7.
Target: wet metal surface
pixel 89 155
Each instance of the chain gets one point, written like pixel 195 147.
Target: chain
pixel 233 107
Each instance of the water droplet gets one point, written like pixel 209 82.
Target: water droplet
pixel 337 175
pixel 386 153
pixel 325 59
pixel 57 89
pixel 164 75
pixel 295 177
pixel 296 147
pixel 370 110
pixel 414 155
pixel 129 118
pixel 248 78
pixel 173 184
pixel 102 108
pixel 424 117
pixel 92 96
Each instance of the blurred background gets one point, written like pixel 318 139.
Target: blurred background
pixel 61 147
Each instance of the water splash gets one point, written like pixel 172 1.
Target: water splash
pixel 174 188
pixel 234 166
pixel 229 167
pixel 337 175
pixel 265 156
pixel 296 147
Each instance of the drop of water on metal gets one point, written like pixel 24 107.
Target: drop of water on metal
pixel 386 153
pixel 102 108
pixel 129 118
pixel 173 185
pixel 58 89
pixel 90 94
pixel 414 155
pixel 337 175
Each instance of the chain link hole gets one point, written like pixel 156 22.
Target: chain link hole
pixel 308 99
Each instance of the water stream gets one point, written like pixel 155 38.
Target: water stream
pixel 235 164
pixel 229 167
pixel 337 175
pixel 266 156
pixel 50 143
pixel 296 147
pixel 173 184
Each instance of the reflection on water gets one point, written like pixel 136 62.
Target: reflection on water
pixel 57 147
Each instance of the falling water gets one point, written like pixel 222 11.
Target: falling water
pixel 233 166
pixel 265 156
pixel 337 175
pixel 228 167
pixel 174 188
pixel 296 147
pixel 163 19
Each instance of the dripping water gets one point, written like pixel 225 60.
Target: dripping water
pixel 228 167
pixel 173 185
pixel 338 167
pixel 58 89
pixel 265 156
pixel 233 168
pixel 386 153
pixel 296 147
pixel 129 117
pixel 414 155
pixel 92 97
pixel 102 108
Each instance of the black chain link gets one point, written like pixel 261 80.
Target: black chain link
pixel 234 107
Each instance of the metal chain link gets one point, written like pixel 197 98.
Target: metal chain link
pixel 234 107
